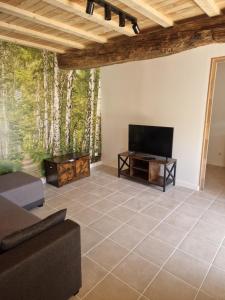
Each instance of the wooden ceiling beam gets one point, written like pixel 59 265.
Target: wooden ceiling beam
pixel 149 12
pixel 48 22
pixel 183 36
pixel 77 9
pixel 209 7
pixel 30 44
pixel 40 35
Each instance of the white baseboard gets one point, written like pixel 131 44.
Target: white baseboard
pixel 187 185
pixel 96 164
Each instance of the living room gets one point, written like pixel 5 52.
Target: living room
pixel 111 150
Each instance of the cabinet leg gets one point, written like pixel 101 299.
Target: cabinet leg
pixel 174 178
pixel 118 166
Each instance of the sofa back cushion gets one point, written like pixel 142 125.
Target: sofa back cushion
pixel 14 218
pixel 27 233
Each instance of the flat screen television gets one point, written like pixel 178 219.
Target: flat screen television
pixel 151 140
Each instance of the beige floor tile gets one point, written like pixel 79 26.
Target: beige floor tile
pixel 214 233
pixel 123 214
pixel 88 199
pixel 127 236
pixel 189 210
pixel 108 254
pixel 136 271
pixel 137 203
pixel 56 201
pixel 50 193
pixel 205 194
pixel 104 205
pixel 87 216
pixel 154 250
pixel 187 268
pixel 179 194
pixel 199 248
pixel 214 283
pixel 89 187
pixel 118 197
pixel 181 221
pixel 218 207
pixel 143 223
pixel 130 190
pixel 64 189
pixel 106 225
pixel 204 296
pixel 102 192
pixel 143 298
pixel 91 275
pixel 168 202
pixel 200 202
pixel 168 287
pixel 43 212
pixel 89 239
pixel 220 259
pixel 149 194
pixel 212 217
pixel 168 234
pixel 103 180
pixel 118 185
pixel 156 211
pixel 72 207
pixel 80 191
pixel 112 289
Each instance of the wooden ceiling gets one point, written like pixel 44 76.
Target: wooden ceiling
pixel 63 26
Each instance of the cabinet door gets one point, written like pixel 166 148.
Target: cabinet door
pixel 66 173
pixel 82 166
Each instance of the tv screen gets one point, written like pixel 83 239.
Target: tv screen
pixel 151 140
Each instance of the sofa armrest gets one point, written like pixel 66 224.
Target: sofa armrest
pixel 45 267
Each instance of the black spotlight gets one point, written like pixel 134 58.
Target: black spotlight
pixel 122 20
pixel 108 15
pixel 136 28
pixel 90 7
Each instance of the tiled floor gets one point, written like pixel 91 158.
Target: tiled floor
pixel 141 244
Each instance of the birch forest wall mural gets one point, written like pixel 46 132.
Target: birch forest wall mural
pixel 45 111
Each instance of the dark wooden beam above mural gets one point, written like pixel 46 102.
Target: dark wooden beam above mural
pixel 184 35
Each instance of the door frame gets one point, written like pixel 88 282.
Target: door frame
pixel 208 118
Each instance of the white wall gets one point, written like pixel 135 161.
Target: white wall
pixel 168 91
pixel 216 154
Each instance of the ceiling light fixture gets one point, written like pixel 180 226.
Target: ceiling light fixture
pixel 108 14
pixel 90 7
pixel 109 9
pixel 122 20
pixel 136 28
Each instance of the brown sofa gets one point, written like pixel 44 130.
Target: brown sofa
pixel 45 267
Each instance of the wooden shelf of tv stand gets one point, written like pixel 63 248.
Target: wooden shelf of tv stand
pixel 145 168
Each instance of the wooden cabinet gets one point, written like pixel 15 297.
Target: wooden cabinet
pixel 147 169
pixel 61 170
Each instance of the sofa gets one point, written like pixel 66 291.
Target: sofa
pixel 23 189
pixel 44 265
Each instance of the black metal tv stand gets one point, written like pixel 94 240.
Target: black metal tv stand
pixel 146 168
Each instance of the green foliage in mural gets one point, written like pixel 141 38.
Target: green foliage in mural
pixel 45 111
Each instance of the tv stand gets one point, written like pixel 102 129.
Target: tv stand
pixel 147 168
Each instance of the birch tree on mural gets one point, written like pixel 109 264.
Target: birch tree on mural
pixel 45 111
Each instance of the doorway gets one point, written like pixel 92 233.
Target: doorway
pixel 212 175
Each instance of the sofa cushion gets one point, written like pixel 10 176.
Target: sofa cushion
pixel 25 234
pixel 15 180
pixel 13 218
pixel 22 189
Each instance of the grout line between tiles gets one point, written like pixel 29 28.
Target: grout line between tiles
pixel 175 249
pixel 109 272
